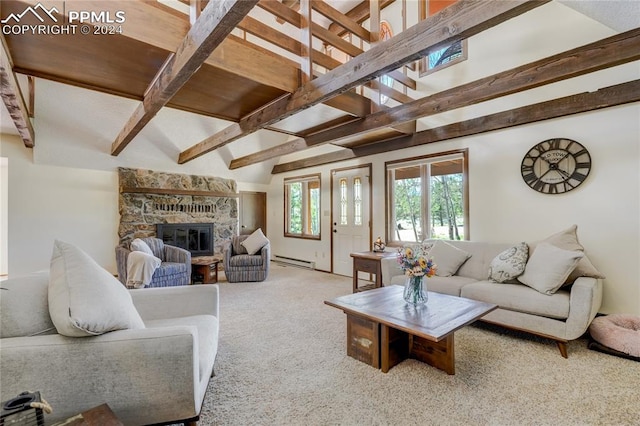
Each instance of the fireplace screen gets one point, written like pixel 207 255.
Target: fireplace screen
pixel 195 237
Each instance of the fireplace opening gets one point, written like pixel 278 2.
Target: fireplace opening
pixel 195 237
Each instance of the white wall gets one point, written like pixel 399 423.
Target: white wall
pixel 45 202
pixel 4 215
pixel 606 207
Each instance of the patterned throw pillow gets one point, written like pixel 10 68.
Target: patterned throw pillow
pixel 509 264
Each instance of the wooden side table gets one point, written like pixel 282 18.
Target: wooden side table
pixel 368 261
pixel 97 416
pixel 204 269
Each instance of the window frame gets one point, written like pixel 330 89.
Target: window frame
pixel 423 63
pixel 425 208
pixel 306 206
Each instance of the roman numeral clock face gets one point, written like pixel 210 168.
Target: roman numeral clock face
pixel 556 166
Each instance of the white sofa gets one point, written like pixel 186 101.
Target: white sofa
pixel 562 316
pixel 156 374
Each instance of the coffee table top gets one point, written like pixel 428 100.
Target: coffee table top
pixel 443 314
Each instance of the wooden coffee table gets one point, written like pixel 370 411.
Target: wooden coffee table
pixel 383 330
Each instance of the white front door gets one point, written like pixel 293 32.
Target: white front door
pixel 351 228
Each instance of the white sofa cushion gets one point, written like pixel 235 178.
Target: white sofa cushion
pixel 85 299
pixel 447 258
pixel 24 309
pixel 568 239
pixel 548 268
pixel 208 328
pixel 254 242
pixel 519 298
pixel 509 264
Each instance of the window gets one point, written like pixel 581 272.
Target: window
pixel 426 198
pixel 448 55
pixel 302 207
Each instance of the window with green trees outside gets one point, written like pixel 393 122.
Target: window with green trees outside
pixel 427 198
pixel 302 206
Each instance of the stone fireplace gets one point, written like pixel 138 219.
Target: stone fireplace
pixel 149 198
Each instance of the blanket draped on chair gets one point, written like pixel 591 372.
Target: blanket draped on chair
pixel 140 269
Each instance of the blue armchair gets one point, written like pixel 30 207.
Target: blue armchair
pixel 174 270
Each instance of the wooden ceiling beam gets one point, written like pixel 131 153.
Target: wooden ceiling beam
pixel 609 52
pixel 214 24
pixel 292 17
pixel 12 97
pixel 459 21
pixel 359 14
pixel 341 19
pixel 575 104
pixel 287 147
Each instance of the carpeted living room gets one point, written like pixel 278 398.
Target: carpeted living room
pixel 313 212
pixel 282 360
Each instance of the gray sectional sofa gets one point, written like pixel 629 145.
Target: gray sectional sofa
pixel 562 315
pixel 150 375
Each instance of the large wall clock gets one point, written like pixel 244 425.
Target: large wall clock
pixel 556 166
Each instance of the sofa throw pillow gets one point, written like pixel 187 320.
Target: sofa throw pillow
pixel 509 264
pixel 139 245
pixel 254 242
pixel 447 258
pixel 548 267
pixel 85 299
pixel 568 240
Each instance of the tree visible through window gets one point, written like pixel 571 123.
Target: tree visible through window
pixel 302 207
pixel 426 198
pixel 448 55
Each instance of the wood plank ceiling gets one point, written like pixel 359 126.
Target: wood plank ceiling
pixel 197 62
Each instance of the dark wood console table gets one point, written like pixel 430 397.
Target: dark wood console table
pixel 369 261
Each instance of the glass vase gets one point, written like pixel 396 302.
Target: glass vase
pixel 415 290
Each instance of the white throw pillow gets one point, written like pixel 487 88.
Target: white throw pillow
pixel 509 264
pixel 448 259
pixel 139 245
pixel 568 239
pixel 548 267
pixel 85 299
pixel 254 242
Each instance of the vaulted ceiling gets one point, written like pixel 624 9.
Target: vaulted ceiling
pixel 255 63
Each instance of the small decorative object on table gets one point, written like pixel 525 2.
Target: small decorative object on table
pixel 378 245
pixel 417 267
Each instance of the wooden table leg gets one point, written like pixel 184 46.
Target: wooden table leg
pixel 363 340
pixel 394 347
pixel 438 354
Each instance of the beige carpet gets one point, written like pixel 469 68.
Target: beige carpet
pixel 282 361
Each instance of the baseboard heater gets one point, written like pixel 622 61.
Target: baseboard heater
pixel 294 262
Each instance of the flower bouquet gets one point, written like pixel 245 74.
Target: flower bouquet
pixel 416 265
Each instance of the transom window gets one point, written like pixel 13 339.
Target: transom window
pixel 448 55
pixel 302 207
pixel 426 198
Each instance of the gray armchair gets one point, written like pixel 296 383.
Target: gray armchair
pixel 174 270
pixel 240 266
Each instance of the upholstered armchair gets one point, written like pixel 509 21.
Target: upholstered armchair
pixel 239 265
pixel 174 270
